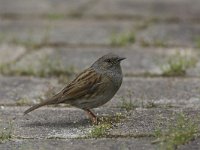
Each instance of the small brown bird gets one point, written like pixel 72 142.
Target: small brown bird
pixel 92 88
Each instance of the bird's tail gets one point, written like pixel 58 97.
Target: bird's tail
pixel 52 100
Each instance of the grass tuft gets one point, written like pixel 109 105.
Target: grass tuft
pixel 122 39
pixel 155 43
pixel 127 103
pixel 22 102
pixel 29 42
pixel 55 16
pixel 104 125
pixel 47 68
pixel 198 42
pixel 178 133
pixel 6 132
pixel 100 130
pixel 178 64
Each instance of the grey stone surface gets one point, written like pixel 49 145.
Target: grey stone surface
pixel 48 123
pixel 177 92
pixel 10 53
pixel 179 9
pixel 83 144
pixel 82 31
pixel 180 34
pixel 42 7
pixel 23 90
pixel 144 122
pixel 139 60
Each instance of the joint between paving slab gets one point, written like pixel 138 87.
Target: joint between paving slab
pixel 81 14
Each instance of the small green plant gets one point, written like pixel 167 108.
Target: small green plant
pixel 28 43
pixel 178 64
pixel 22 102
pixel 2 38
pixel 198 42
pixel 55 16
pixel 9 69
pixel 144 43
pixel 178 133
pixel 127 103
pixel 47 68
pixel 122 39
pixel 100 130
pixel 6 132
pixel 159 43
pixel 105 123
pixel 4 68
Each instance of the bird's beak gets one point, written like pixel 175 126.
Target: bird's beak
pixel 121 58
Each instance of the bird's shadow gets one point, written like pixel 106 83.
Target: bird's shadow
pixel 63 123
pixel 59 123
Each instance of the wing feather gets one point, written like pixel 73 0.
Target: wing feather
pixel 85 83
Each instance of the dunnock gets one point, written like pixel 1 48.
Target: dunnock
pixel 92 88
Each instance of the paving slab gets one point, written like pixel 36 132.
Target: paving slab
pixel 10 53
pixel 136 92
pixel 43 7
pixel 84 144
pixel 180 34
pixel 67 123
pixel 144 122
pixel 178 9
pixel 134 8
pixel 23 90
pixel 51 123
pixel 140 61
pixel 177 92
pixel 82 31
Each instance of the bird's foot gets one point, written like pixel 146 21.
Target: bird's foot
pixel 92 116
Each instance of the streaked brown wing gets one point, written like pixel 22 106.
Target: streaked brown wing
pixel 84 84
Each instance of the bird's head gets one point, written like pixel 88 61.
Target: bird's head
pixel 109 61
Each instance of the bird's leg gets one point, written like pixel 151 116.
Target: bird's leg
pixel 91 115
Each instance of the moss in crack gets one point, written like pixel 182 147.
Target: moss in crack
pixel 178 133
pixel 154 43
pixel 47 68
pixel 197 41
pixel 100 130
pixel 122 39
pixel 30 42
pixel 6 131
pixel 55 16
pixel 23 102
pixel 127 102
pixel 104 125
pixel 177 64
